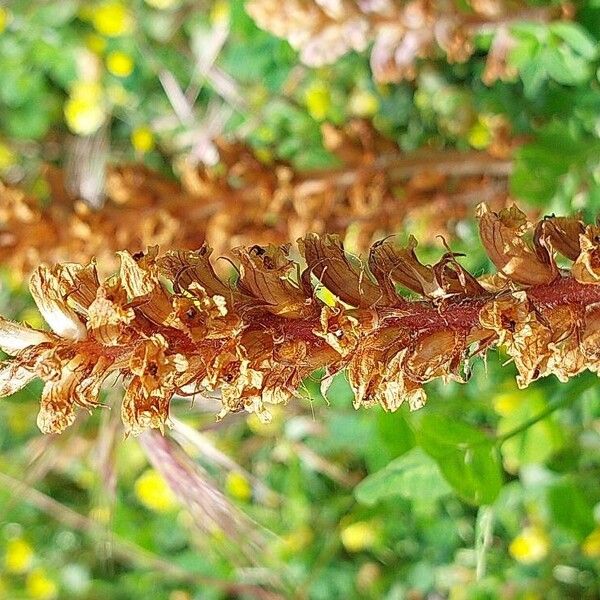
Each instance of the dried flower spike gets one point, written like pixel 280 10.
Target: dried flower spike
pixel 247 202
pixel 169 325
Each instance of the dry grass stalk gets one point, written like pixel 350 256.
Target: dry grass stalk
pixel 168 324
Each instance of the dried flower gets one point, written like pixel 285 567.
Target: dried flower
pixel 169 325
pixel 401 33
pixel 245 202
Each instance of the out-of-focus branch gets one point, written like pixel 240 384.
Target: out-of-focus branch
pixel 244 201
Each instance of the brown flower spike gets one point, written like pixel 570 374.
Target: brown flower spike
pixel 169 325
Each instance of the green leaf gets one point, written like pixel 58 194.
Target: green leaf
pixel 570 509
pixel 537 443
pixel 541 165
pixel 414 476
pixel 467 457
pixel 576 37
pixel 565 66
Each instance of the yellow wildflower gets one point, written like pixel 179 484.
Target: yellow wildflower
pixel 85 110
pixel 363 103
pixel 7 156
pixel 112 19
pixel 318 100
pixel 219 13
pixel 238 486
pixel 359 536
pixel 39 586
pixel 152 491
pixel 297 540
pixel 4 18
pixel 95 43
pixel 530 546
pixel 591 545
pixel 506 403
pixel 18 557
pixel 480 135
pixel 119 64
pixel 142 139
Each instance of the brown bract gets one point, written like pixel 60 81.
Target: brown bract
pixel 168 325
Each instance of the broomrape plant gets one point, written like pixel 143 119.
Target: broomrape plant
pixel 169 325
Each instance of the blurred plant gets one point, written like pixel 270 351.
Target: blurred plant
pixel 242 201
pixel 323 31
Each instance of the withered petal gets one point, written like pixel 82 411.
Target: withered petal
pixel 502 236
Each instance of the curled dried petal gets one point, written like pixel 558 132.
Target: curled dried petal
pixel 562 233
pixel 15 337
pixel 45 289
pixel 502 236
pixel 390 263
pixel 14 377
pixel 265 275
pixel 587 266
pixel 327 260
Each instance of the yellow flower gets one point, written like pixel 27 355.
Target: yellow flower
pixel 219 13
pixel 39 586
pixel 273 427
pixel 152 491
pixel 118 95
pixel 530 546
pixel 4 18
pixel 7 156
pixel 297 540
pixel 506 403
pixel 163 4
pixel 18 557
pixel 119 64
pixel 359 536
pixel 480 135
pixel 142 139
pixel 363 103
pixel 112 19
pixel 85 110
pixel 591 545
pixel 238 486
pixel 95 43
pixel 318 100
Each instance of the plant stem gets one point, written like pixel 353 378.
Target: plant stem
pixel 564 399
